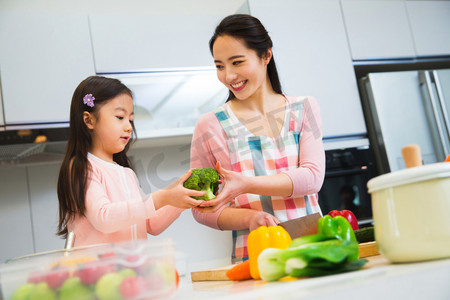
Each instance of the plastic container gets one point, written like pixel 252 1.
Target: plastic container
pixel 411 210
pixel 132 270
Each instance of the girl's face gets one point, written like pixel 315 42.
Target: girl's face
pixel 111 127
pixel 239 68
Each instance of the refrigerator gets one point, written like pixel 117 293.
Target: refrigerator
pixel 407 107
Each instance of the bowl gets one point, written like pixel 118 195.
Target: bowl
pixel 411 213
pixel 141 269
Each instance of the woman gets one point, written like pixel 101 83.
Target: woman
pixel 266 146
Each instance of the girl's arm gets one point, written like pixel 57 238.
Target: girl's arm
pixel 164 217
pixel 107 216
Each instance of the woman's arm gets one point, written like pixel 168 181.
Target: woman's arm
pixel 308 177
pixel 244 218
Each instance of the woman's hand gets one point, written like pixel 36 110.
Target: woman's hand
pixel 177 195
pixel 262 218
pixel 233 183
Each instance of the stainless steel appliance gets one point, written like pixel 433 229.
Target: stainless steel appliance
pixel 345 185
pixel 407 107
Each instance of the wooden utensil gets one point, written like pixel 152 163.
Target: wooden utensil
pixel 412 156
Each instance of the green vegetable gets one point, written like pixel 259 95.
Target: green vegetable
pixel 365 235
pixel 332 250
pixel 336 227
pixel 206 179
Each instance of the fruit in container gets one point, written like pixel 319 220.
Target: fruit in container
pixel 133 287
pixel 23 292
pixel 108 286
pixel 92 271
pixel 74 289
pixel 131 270
pixel 55 278
pixel 43 291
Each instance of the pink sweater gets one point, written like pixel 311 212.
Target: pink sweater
pixel 209 145
pixel 116 207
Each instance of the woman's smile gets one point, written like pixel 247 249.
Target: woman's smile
pixel 238 86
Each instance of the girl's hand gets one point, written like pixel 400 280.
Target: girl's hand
pixel 177 195
pixel 233 183
pixel 262 218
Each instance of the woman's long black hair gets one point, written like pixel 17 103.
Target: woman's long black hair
pixel 250 30
pixel 73 174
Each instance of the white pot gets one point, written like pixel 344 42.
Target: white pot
pixel 411 213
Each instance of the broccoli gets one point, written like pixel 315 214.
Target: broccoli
pixel 205 179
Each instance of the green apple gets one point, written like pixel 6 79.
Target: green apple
pixel 74 289
pixel 108 286
pixel 127 272
pixel 43 291
pixel 23 292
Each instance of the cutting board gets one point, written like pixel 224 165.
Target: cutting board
pixel 366 250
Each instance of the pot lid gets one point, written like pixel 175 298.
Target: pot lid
pixel 408 176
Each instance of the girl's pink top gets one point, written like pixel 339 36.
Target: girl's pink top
pixel 116 207
pixel 210 144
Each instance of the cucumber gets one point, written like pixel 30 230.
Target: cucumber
pixel 365 235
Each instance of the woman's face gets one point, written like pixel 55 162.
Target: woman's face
pixel 239 68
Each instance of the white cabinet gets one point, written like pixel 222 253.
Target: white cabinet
pixel 2 120
pixel 43 57
pixel 42 182
pixel 15 219
pixel 313 58
pixel 377 29
pixel 430 24
pixel 144 42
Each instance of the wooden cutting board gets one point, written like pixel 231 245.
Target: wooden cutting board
pixel 366 250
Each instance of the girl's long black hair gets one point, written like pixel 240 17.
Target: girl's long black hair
pixel 250 30
pixel 73 174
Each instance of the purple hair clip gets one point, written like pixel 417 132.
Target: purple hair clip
pixel 89 100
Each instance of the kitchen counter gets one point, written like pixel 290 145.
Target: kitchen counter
pixel 377 280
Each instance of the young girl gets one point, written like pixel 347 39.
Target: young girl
pixel 100 199
pixel 269 144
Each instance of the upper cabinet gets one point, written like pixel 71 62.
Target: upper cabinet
pixel 148 42
pixel 313 58
pixel 430 24
pixel 397 29
pixel 377 29
pixel 43 57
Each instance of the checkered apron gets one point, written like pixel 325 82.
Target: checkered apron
pixel 261 155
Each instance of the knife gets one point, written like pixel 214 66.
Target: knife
pixel 302 226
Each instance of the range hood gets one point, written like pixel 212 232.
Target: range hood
pixel 33 143
pixel 167 105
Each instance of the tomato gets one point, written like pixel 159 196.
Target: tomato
pixel 132 287
pixel 177 278
pixel 36 277
pixel 107 255
pixel 56 278
pixel 93 271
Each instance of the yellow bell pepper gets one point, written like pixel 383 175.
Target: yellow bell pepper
pixel 262 238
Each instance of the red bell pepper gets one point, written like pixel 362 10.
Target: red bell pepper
pixel 346 214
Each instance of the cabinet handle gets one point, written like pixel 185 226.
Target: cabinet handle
pixel 426 79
